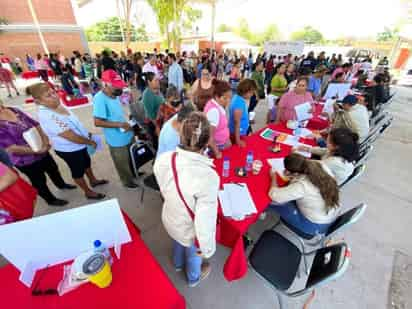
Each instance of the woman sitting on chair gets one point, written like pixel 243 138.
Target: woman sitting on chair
pixel 342 149
pixel 310 201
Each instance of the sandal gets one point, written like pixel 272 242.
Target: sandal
pixel 99 183
pixel 97 197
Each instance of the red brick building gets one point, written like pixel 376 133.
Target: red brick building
pixel 57 23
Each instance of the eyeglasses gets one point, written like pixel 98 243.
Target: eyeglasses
pixel 37 292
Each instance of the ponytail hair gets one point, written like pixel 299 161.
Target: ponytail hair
pixel 195 132
pixel 296 163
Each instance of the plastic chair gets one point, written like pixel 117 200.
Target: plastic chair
pixel 304 241
pixel 357 172
pixel 276 261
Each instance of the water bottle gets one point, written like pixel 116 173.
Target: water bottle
pixel 99 247
pixel 226 167
pixel 249 161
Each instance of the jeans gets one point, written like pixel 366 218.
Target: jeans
pixel 291 214
pixel 122 162
pixel 187 256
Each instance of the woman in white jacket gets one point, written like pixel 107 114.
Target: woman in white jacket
pixel 190 192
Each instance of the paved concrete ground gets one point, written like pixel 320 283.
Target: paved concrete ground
pixel 385 229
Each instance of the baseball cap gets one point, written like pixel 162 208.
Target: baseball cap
pixel 350 99
pixel 111 77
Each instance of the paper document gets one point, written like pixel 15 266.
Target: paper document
pixel 99 142
pixel 306 154
pixel 328 106
pixel 303 111
pixel 337 90
pixel 287 139
pixel 56 238
pixel 303 132
pixel 236 201
pixel 277 165
pixel 269 134
pixel 271 101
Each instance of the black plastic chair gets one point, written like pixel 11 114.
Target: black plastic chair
pixel 305 241
pixel 276 260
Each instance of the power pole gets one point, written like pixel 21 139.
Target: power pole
pixel 36 23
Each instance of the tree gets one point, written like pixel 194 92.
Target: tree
pixel 308 34
pixel 109 30
pixel 224 28
pixel 271 33
pixel 174 16
pixel 243 29
pixel 387 35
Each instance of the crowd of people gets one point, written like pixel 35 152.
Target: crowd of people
pixel 195 107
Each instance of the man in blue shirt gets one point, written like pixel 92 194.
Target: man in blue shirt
pixel 108 114
pixel 175 75
pixel 315 82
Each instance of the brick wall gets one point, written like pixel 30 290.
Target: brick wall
pixel 48 12
pixel 19 44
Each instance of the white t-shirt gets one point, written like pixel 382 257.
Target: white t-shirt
pixel 54 124
pixel 360 117
pixel 213 115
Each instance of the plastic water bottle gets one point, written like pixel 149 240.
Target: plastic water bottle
pixel 249 161
pixel 99 247
pixel 226 167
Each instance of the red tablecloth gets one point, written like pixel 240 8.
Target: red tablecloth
pixel 34 74
pixel 72 101
pixel 138 283
pixel 230 232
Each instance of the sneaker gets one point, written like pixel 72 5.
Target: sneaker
pixel 58 203
pixel 206 269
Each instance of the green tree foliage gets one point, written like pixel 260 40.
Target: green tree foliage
pixel 387 35
pixel 271 33
pixel 109 30
pixel 175 16
pixel 308 34
pixel 224 28
pixel 243 30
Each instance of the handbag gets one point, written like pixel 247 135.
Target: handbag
pixel 19 199
pixel 190 211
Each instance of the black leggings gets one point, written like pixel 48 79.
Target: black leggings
pixel 37 171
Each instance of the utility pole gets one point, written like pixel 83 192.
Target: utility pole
pixel 36 23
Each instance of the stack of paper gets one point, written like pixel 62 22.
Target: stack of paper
pixel 303 132
pixel 236 201
pixel 306 154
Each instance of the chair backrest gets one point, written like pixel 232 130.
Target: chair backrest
pixel 357 172
pixel 329 264
pixel 346 219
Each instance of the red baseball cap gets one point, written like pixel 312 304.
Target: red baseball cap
pixel 111 76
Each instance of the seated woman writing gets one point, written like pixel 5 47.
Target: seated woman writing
pixel 310 201
pixel 288 102
pixel 342 149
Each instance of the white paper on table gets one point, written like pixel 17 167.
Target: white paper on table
pixel 278 165
pixel 303 111
pixel 236 201
pixel 328 106
pixel 339 90
pixel 306 154
pixel 60 237
pixel 118 250
pixel 290 140
pixel 28 273
pixel 99 142
pixel 304 132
